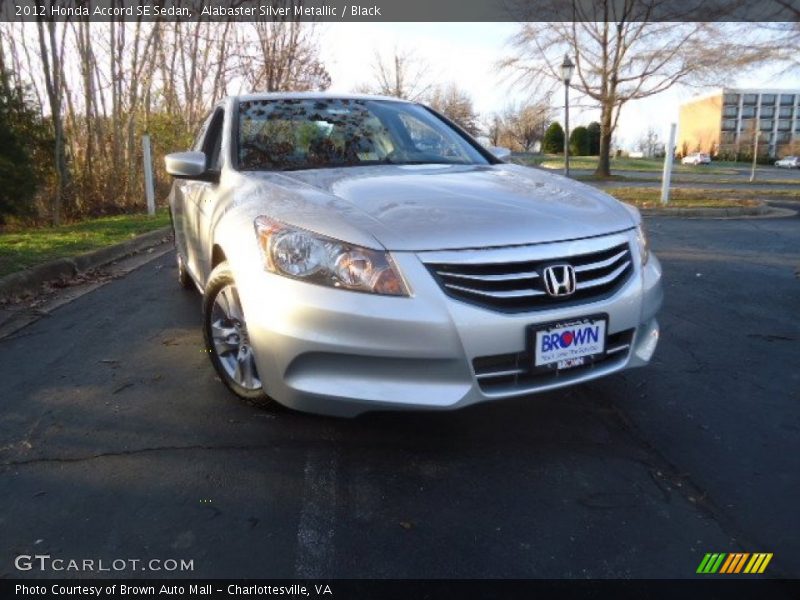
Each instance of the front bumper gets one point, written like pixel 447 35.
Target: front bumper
pixel 337 352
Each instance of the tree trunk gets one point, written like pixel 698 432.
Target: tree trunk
pixel 604 159
pixel 53 76
pixel 84 49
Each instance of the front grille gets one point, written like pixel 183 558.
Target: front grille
pixel 508 373
pixel 519 286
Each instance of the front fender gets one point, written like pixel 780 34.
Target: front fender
pixel 235 235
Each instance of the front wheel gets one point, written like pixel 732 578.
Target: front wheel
pixel 227 339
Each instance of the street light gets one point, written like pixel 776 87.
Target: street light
pixel 756 136
pixel 567 67
pixel 755 153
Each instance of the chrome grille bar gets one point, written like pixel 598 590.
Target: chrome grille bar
pixel 616 349
pixel 497 294
pixel 504 277
pixel 582 285
pixel 506 373
pixel 600 264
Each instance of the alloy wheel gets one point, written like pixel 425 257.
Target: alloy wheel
pixel 231 342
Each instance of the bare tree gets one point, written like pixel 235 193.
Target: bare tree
pixel 136 86
pixel 282 56
pixel 191 52
pixel 456 105
pixel 620 55
pixel 648 143
pixel 525 124
pixel 785 37
pixel 52 63
pixel 492 128
pixel 106 83
pixel 401 75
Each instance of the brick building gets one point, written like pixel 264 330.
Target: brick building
pixel 723 123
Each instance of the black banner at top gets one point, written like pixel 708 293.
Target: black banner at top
pixel 402 10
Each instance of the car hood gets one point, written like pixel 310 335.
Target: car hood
pixel 443 207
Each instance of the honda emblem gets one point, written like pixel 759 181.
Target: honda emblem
pixel 559 280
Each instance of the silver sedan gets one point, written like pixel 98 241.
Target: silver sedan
pixel 361 253
pixel 788 162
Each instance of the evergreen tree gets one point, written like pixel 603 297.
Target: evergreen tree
pixel 21 137
pixel 579 141
pixel 553 142
pixel 593 130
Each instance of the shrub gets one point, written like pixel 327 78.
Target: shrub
pixel 579 141
pixel 553 142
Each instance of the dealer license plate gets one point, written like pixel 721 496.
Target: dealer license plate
pixel 570 344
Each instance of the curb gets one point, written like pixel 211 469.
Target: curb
pixel 29 280
pixel 734 211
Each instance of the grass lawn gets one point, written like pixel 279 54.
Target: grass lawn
pixel 683 197
pixel 29 247
pixel 555 161
pixel 679 179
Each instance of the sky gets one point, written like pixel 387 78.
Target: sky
pixel 466 53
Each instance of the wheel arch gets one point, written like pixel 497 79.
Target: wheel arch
pixel 217 256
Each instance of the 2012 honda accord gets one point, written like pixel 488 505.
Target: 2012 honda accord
pixel 361 253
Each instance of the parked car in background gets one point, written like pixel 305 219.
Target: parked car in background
pixel 696 158
pixel 789 162
pixel 362 253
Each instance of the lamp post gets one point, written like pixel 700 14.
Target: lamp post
pixel 756 135
pixel 755 156
pixel 567 67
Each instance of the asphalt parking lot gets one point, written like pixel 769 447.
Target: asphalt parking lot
pixel 117 442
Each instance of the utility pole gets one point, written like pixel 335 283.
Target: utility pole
pixel 667 173
pixel 149 191
pixel 756 135
pixel 755 154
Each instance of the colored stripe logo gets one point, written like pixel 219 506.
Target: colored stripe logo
pixel 736 562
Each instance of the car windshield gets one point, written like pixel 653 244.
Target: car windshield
pixel 292 134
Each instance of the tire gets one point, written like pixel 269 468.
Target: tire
pixel 225 335
pixel 184 279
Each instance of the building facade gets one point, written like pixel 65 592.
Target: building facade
pixel 724 123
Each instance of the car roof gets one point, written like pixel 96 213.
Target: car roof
pixel 313 96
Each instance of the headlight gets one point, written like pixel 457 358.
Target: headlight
pixel 307 256
pixel 644 245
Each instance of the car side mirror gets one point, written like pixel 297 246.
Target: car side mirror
pixel 187 165
pixel 500 152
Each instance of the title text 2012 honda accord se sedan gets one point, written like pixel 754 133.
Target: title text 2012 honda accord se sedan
pixel 361 253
